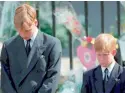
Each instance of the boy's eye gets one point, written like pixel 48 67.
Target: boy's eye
pixel 99 54
pixel 105 54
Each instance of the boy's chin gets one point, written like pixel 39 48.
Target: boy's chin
pixel 103 64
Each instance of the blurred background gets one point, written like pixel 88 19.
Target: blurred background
pixel 76 24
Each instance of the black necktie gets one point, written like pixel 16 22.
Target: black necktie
pixel 28 48
pixel 106 78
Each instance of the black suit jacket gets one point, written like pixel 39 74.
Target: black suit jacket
pixel 93 82
pixel 37 73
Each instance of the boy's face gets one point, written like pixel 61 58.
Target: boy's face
pixel 27 34
pixel 105 59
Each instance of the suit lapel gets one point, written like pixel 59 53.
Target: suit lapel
pixel 21 53
pixel 20 58
pixel 98 80
pixel 37 49
pixel 113 78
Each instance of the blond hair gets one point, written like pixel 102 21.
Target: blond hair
pixel 105 43
pixel 25 15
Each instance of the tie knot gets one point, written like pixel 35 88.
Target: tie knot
pixel 106 70
pixel 28 40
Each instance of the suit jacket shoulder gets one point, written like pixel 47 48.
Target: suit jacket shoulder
pixel 11 40
pixel 89 73
pixel 50 39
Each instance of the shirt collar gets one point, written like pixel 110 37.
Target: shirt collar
pixel 32 38
pixel 110 67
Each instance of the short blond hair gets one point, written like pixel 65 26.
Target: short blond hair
pixel 105 43
pixel 25 15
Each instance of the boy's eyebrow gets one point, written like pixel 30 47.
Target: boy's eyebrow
pixel 102 53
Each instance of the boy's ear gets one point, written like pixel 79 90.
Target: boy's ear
pixel 114 52
pixel 36 22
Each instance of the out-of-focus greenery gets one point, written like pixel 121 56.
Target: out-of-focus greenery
pixel 61 31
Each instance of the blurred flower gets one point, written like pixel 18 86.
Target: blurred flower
pixel 87 56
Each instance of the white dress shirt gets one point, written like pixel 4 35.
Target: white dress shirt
pixel 110 68
pixel 32 39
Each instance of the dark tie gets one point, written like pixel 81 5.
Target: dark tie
pixel 106 78
pixel 28 48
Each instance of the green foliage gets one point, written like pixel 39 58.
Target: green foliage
pixel 45 27
pixel 61 31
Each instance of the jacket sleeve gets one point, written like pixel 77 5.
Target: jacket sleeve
pixel 117 57
pixel 50 82
pixel 85 85
pixel 7 85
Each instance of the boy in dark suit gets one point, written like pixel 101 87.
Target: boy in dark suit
pixel 31 60
pixel 109 76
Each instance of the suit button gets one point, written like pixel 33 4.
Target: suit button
pixel 38 70
pixel 34 88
